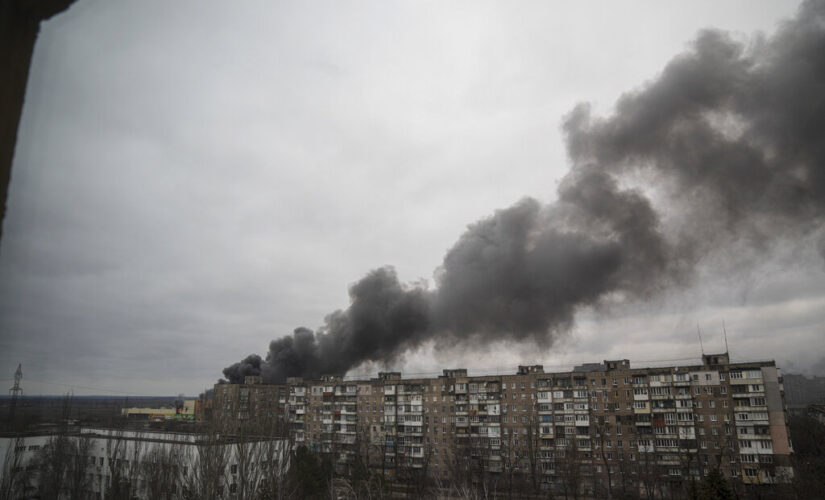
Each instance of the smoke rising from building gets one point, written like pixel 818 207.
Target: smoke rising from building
pixel 731 134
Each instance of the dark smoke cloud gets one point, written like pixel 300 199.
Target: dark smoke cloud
pixel 731 135
pixel 251 365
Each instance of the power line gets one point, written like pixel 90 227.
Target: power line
pixel 92 388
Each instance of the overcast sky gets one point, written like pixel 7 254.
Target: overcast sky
pixel 193 179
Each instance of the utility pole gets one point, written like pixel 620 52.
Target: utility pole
pixel 15 392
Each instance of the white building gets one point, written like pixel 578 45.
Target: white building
pixel 92 462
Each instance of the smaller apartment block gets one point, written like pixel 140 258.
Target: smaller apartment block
pixel 613 423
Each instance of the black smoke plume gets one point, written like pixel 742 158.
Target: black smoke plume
pixel 732 135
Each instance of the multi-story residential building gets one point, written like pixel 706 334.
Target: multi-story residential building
pixel 600 425
pixel 328 416
pixel 251 402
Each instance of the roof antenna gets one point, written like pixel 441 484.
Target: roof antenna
pixel 726 337
pixel 699 332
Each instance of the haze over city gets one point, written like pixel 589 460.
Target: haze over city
pixel 192 181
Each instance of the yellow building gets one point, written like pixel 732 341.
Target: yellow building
pixel 184 411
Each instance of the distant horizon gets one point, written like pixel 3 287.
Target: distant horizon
pixel 494 371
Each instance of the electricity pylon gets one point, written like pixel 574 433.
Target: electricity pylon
pixel 15 391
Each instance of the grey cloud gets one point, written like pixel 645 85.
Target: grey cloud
pixel 733 132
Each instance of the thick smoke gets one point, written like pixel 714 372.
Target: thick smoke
pixel 251 365
pixel 731 135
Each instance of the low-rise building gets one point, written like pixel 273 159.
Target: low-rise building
pixel 100 463
pixel 182 410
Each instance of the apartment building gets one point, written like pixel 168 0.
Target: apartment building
pixel 253 402
pixel 601 423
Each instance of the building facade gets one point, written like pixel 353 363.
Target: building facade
pixel 253 402
pixel 600 425
pixel 99 463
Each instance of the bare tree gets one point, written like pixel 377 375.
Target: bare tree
pixel 247 450
pixel 569 469
pixel 599 428
pixel 274 462
pixel 124 454
pixel 15 479
pixel 63 467
pixel 161 469
pixel 459 470
pixel 650 472
pixel 206 475
pixel 79 482
pixel 531 446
